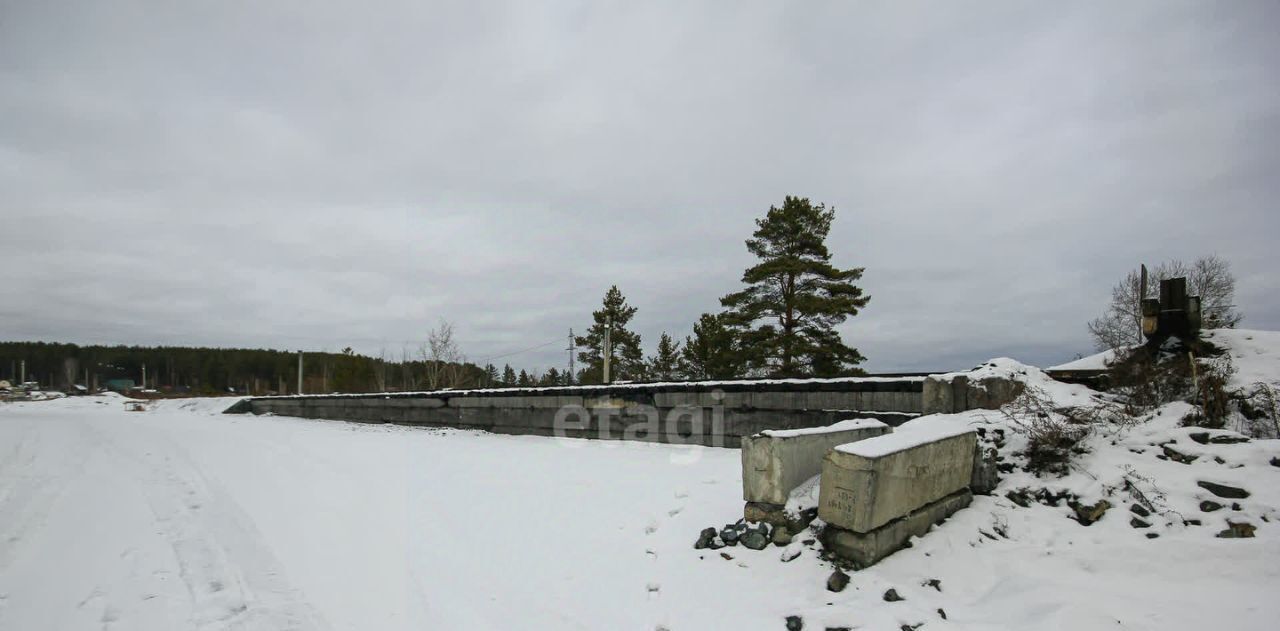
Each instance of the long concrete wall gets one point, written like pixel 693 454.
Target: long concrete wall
pixel 717 414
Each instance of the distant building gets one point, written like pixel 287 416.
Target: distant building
pixel 119 385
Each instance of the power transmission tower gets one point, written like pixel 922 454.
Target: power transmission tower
pixel 571 349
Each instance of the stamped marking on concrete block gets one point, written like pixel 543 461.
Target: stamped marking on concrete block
pixel 869 483
pixel 866 548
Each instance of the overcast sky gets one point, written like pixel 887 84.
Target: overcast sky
pixel 323 174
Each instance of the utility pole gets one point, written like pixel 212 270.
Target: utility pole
pixel 22 378
pixel 571 349
pixel 144 376
pixel 299 372
pixel 608 347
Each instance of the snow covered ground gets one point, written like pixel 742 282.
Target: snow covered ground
pixel 179 517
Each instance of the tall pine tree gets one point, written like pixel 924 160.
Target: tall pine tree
pixel 491 377
pixel 712 351
pixel 508 376
pixel 665 364
pixel 794 297
pixel 628 359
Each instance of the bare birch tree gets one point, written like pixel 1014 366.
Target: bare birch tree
pixel 442 360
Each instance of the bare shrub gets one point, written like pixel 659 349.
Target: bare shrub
pixel 1053 435
pixel 1145 384
pixel 1211 392
pixel 1144 491
pixel 1259 411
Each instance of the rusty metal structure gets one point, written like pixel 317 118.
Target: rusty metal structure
pixel 1174 314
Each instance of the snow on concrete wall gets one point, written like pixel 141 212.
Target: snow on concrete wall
pixel 716 414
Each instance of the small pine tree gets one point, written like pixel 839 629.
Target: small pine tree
pixel 665 363
pixel 523 380
pixel 712 351
pixel 627 358
pixel 794 297
pixel 508 376
pixel 491 376
pixel 551 378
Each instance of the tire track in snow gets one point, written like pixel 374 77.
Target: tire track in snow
pixel 33 480
pixel 233 579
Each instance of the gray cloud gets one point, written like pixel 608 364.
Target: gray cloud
pixel 321 175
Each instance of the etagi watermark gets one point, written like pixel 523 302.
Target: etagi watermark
pixel 689 427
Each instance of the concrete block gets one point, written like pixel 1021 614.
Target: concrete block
pixel 817 400
pixel 286 410
pixel 771 400
pixel 480 417
pixel 841 401
pixel 670 399
pixel 872 482
pixel 743 423
pixel 937 396
pixel 737 400
pixel 567 400
pixel 776 461
pixel 990 393
pixel 472 402
pixel 708 399
pixel 864 549
pixel 544 402
pixel 957 393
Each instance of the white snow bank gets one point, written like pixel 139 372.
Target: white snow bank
pixel 1097 361
pixel 199 405
pixel 842 426
pixel 1030 376
pixel 921 431
pixel 1254 354
pixel 805 496
pixel 180 518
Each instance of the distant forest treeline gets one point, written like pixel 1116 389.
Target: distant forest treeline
pixel 220 370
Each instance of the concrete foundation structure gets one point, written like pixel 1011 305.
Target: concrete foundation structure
pixel 953 393
pixel 710 414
